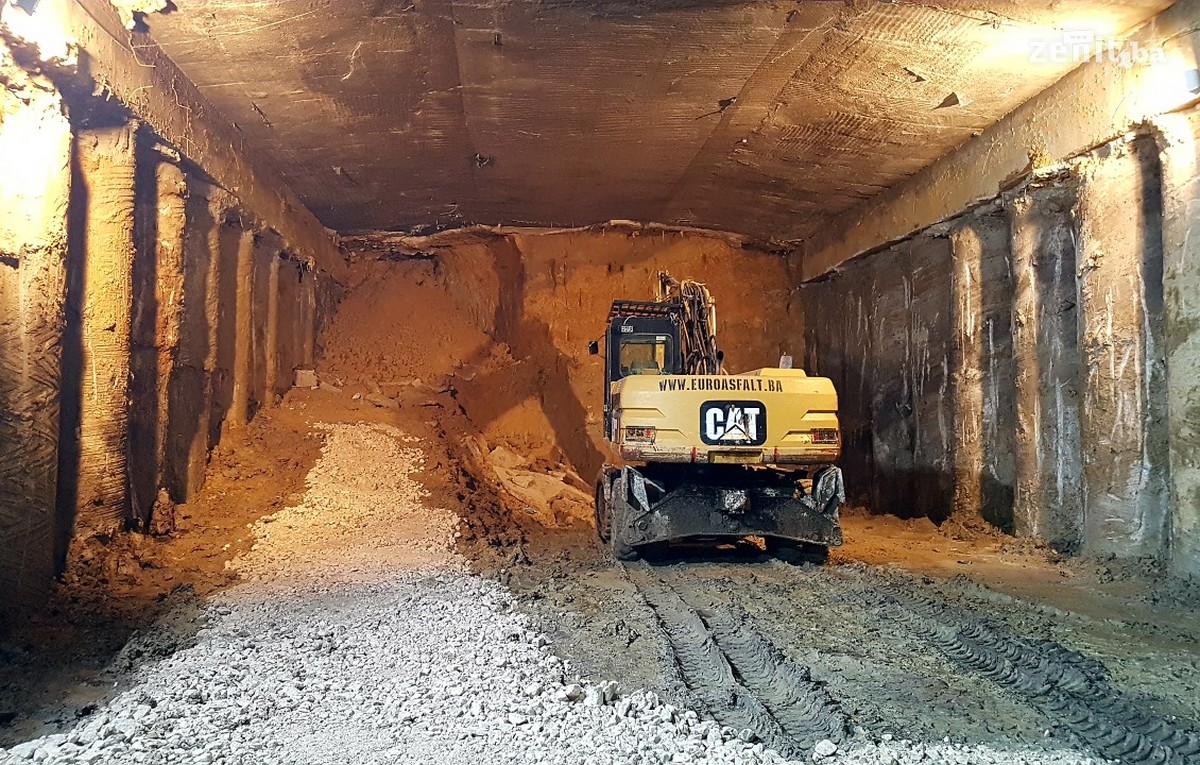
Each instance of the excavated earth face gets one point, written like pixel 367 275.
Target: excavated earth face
pixel 762 118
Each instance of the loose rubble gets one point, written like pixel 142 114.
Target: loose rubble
pixel 359 636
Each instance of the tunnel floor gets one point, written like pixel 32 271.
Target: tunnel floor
pixel 383 606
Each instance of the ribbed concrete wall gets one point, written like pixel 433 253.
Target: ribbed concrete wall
pixel 982 367
pixel 1181 346
pixel 1035 365
pixel 1046 364
pixel 106 162
pixel 139 296
pixel 1123 410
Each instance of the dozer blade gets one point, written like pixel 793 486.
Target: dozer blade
pixel 695 509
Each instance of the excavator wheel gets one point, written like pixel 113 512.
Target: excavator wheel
pixel 606 521
pixel 603 508
pixel 622 551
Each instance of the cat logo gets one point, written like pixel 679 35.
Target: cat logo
pixel 733 423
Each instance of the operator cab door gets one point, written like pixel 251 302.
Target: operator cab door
pixel 638 346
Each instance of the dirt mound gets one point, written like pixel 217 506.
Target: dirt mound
pixel 402 340
pixel 399 325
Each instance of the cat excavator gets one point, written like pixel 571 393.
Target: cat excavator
pixel 706 454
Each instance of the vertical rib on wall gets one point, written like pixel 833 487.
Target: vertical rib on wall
pixel 143 357
pixel 288 349
pixel 35 150
pixel 106 160
pixel 266 252
pixel 169 245
pixel 307 321
pixel 982 387
pixel 188 383
pixel 1123 432
pixel 221 309
pixel 243 333
pixel 1048 502
pixel 271 337
pixel 966 284
pixel 1181 280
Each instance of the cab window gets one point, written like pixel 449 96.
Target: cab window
pixel 647 355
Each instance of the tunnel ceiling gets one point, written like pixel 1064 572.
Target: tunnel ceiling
pixel 762 118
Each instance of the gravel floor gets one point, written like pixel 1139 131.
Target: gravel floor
pixel 359 636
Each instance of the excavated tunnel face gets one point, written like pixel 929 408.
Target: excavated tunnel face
pixel 303 452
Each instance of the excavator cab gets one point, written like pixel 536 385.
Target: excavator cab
pixel 642 339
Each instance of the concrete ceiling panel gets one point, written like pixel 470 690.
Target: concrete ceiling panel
pixel 761 118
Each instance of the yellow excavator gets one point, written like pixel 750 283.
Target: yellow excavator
pixel 707 454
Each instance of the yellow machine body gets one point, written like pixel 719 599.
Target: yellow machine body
pixel 777 417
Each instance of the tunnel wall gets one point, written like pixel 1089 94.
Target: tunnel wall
pixel 881 330
pixel 145 314
pixel 1177 138
pixel 1010 363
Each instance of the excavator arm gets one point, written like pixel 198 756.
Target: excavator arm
pixel 698 335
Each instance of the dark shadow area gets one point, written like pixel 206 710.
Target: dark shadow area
pixel 60 665
pixel 930 334
pixel 225 337
pixel 998 484
pixel 880 330
pixel 71 402
pixel 287 346
pixel 186 390
pixel 1058 366
pixel 704 551
pixel 143 351
pixel 928 493
pixel 997 505
pixel 838 343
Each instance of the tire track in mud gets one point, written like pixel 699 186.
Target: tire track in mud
pixel 740 676
pixel 1064 685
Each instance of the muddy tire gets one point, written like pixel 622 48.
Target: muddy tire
pixel 618 510
pixel 603 507
pixel 622 551
pixel 798 553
